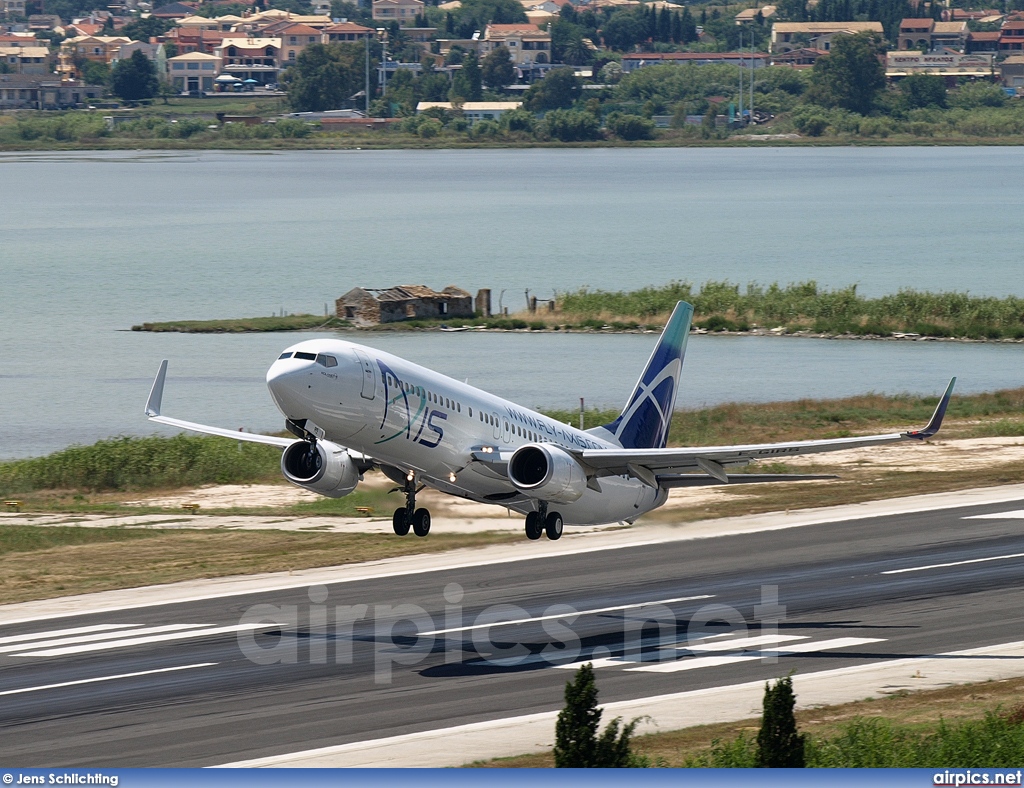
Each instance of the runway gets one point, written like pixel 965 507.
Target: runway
pixel 182 684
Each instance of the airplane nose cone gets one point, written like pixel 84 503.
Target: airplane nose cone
pixel 285 380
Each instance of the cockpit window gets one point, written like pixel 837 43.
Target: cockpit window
pixel 306 356
pixel 285 355
pixel 326 361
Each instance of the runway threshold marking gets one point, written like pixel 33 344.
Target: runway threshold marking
pixel 95 637
pixel 729 659
pixel 106 678
pixel 953 563
pixel 139 641
pixel 567 614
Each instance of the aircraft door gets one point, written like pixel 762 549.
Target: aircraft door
pixel 496 423
pixel 506 431
pixel 369 379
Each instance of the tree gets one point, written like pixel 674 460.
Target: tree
pixel 576 52
pixel 325 76
pixel 144 29
pixel 497 70
pixel 924 90
pixel 134 78
pixel 623 30
pixel 467 85
pixel 558 90
pixel 577 744
pixel 570 125
pixel 850 76
pixel 95 72
pixel 778 743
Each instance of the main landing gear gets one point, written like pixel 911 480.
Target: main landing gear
pixel 409 515
pixel 544 522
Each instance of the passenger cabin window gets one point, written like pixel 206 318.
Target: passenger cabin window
pixel 285 355
pixel 326 361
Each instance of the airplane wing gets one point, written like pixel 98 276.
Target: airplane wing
pixel 652 464
pixel 156 396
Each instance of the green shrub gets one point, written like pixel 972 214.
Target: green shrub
pixel 430 128
pixel 630 127
pixel 569 125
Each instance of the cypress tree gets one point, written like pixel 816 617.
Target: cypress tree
pixel 577 744
pixel 778 743
pixel 576 728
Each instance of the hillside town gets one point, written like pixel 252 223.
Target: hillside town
pixel 476 59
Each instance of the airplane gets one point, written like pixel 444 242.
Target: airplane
pixel 352 408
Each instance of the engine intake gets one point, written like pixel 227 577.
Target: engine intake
pixel 323 467
pixel 548 473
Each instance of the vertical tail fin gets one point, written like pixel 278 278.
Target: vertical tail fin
pixel 644 422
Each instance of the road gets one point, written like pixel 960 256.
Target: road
pixel 182 684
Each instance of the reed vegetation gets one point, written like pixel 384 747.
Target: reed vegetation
pixel 806 306
pixel 245 324
pixel 154 462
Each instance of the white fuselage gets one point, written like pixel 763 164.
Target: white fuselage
pixel 419 421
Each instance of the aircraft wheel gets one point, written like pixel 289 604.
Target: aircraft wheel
pixel 534 525
pixel 553 526
pixel 421 522
pixel 400 522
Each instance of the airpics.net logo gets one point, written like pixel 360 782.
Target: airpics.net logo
pixel 970 777
pixel 389 636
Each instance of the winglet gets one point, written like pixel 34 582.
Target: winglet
pixel 156 394
pixel 936 420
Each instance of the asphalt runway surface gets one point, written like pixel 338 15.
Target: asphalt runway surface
pixel 226 679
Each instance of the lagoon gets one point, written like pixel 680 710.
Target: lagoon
pixel 92 243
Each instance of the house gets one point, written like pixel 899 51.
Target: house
pixel 401 11
pixel 748 15
pixel 637 60
pixel 31 91
pixel 99 49
pixel 929 35
pixel 345 31
pixel 527 43
pixel 1011 36
pixel 13 8
pixel 368 306
pixel 798 58
pixel 787 36
pixel 1011 72
pixel 174 11
pixel 473 111
pixel 294 39
pixel 987 41
pixel 26 60
pixel 250 58
pixel 193 71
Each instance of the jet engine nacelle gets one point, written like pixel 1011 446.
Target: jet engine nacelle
pixel 547 472
pixel 325 468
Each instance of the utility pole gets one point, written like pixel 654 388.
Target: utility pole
pixel 383 33
pixel 741 77
pixel 366 90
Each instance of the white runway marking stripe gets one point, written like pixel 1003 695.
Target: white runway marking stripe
pixel 97 637
pixel 567 614
pixel 105 678
pixel 139 641
pixel 56 633
pixel 953 563
pixel 718 645
pixel 1017 514
pixel 729 659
